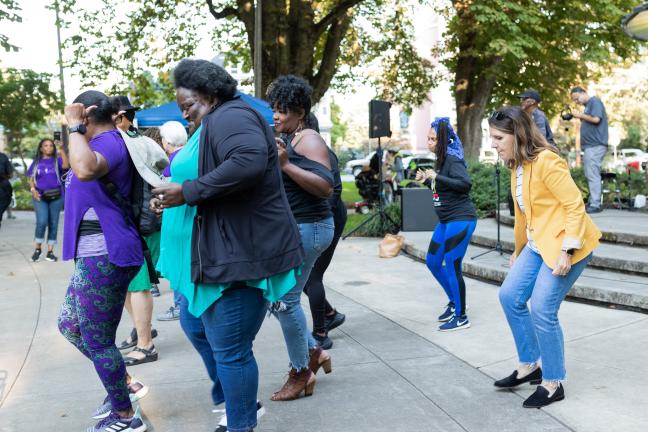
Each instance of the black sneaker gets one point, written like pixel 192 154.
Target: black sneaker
pixel 333 321
pixel 37 254
pixel 323 342
pixel 155 291
pixel 51 257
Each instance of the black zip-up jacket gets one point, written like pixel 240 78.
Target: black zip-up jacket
pixel 244 228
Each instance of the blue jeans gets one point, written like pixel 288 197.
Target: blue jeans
pixel 47 217
pixel 316 238
pixel 449 244
pixel 195 330
pixel 537 333
pixel 231 325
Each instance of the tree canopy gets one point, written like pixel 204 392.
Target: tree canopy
pixel 497 48
pixel 8 12
pixel 322 40
pixel 25 102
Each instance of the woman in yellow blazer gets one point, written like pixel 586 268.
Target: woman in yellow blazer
pixel 554 240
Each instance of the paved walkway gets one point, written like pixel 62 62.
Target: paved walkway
pixel 392 371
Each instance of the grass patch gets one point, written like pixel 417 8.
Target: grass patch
pixel 350 193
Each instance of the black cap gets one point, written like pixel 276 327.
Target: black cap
pixel 530 93
pixel 125 104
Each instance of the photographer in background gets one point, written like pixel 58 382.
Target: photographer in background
pixel 529 101
pixel 594 142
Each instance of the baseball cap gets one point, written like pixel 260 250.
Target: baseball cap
pixel 530 93
pixel 125 104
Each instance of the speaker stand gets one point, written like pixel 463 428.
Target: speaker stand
pixel 381 207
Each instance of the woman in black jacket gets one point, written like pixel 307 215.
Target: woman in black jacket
pixel 450 185
pixel 246 247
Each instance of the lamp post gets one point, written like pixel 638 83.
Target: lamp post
pixel 635 24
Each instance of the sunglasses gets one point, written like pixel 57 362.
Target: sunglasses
pixel 498 115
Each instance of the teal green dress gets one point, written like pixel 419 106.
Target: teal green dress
pixel 175 245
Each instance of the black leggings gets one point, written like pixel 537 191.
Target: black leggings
pixel 314 288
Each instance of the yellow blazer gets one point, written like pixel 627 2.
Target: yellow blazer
pixel 554 211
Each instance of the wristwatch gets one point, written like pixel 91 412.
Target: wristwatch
pixel 80 128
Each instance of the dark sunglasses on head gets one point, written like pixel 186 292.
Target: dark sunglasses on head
pixel 498 115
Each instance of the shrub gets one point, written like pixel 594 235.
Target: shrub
pixel 483 192
pixel 23 195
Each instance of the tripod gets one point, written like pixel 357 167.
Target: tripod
pixel 381 205
pixel 498 243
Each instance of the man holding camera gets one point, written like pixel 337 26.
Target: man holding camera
pixel 594 142
pixel 529 101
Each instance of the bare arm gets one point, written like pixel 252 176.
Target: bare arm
pixel 85 163
pixel 314 148
pixel 588 118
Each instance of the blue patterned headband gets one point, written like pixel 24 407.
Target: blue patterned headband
pixel 455 148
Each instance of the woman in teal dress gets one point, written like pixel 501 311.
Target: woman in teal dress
pixel 211 312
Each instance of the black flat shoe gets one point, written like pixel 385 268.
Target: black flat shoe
pixel 512 380
pixel 541 397
pixel 333 321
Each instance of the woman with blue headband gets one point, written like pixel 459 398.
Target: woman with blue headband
pixel 450 185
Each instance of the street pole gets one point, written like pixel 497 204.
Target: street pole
pixel 258 38
pixel 60 51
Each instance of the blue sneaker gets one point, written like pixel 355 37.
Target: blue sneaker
pixel 115 423
pixel 456 323
pixel 448 313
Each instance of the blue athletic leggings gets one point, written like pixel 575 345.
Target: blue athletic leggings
pixel 445 254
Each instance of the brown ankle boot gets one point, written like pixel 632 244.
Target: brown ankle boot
pixel 303 381
pixel 319 358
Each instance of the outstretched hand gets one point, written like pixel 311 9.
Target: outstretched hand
pixel 168 195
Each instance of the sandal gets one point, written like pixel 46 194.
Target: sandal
pixel 149 356
pixel 133 337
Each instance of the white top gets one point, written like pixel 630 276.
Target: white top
pixel 519 173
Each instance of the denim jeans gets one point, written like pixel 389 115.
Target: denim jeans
pixel 316 238
pixel 195 330
pixel 231 324
pixel 537 332
pixel 47 217
pixel 592 160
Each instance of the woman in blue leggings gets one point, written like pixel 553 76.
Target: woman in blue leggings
pixel 450 186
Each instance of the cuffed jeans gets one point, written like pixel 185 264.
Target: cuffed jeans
pixel 316 238
pixel 231 324
pixel 195 330
pixel 47 217
pixel 537 332
pixel 592 160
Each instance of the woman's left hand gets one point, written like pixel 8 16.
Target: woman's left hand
pixel 431 174
pixel 563 265
pixel 281 151
pixel 169 195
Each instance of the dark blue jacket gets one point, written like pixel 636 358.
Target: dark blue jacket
pixel 244 228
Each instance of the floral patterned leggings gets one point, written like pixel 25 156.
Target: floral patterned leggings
pixel 89 318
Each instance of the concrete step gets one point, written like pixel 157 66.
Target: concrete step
pixel 626 290
pixel 608 256
pixel 617 226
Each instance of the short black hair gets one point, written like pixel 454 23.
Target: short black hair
pixel 577 89
pixel 106 107
pixel 290 92
pixel 206 78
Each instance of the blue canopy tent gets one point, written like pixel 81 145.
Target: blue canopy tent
pixel 169 111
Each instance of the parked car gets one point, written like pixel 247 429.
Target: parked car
pixel 634 158
pixel 18 165
pixel 355 166
pixel 413 163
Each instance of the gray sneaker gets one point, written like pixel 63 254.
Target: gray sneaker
pixel 136 391
pixel 171 314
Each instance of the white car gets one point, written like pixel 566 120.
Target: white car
pixel 355 166
pixel 633 155
pixel 18 165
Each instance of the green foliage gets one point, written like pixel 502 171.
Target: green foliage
pixel 374 228
pixel 148 91
pixel 8 12
pixel 483 193
pixel 25 102
pixel 633 138
pixel 23 195
pixel 340 127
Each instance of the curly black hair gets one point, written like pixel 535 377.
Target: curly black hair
pixel 106 106
pixel 205 78
pixel 290 92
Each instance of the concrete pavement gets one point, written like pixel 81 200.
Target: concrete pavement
pixel 392 371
